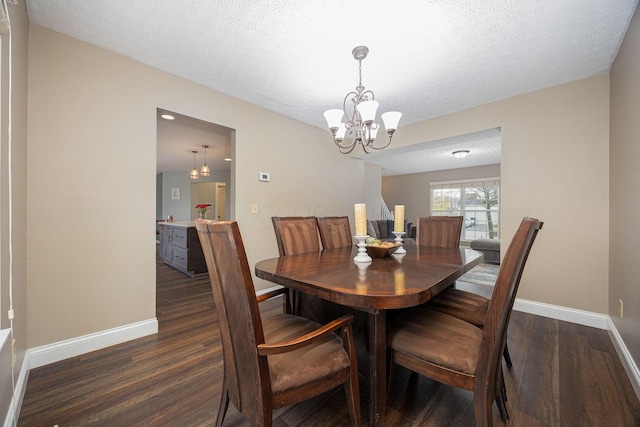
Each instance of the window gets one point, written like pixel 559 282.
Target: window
pixel 478 201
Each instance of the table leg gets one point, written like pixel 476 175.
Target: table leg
pixel 377 367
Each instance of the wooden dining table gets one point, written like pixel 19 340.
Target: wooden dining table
pixel 374 291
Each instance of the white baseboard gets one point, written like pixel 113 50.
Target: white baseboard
pixel 566 314
pixel 50 353
pixel 13 414
pixel 627 360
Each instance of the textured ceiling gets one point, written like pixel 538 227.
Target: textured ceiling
pixel 427 57
pixel 484 149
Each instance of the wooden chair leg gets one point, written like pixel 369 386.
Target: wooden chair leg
pixel 501 396
pixel 502 407
pixel 482 409
pixel 507 356
pixel 390 370
pixel 353 400
pixel 286 302
pixel 352 388
pixel 224 403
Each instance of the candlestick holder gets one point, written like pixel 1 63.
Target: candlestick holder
pixel 398 235
pixel 362 250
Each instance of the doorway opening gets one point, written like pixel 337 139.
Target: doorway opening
pixel 178 137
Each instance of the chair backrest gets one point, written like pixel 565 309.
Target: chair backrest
pixel 499 311
pixel 335 232
pixel 296 234
pixel 440 231
pixel 246 374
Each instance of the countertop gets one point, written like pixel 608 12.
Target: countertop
pixel 180 223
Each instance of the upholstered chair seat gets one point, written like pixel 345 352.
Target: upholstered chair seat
pixel 307 364
pixel 413 334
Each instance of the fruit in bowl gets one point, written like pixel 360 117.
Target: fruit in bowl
pixel 380 249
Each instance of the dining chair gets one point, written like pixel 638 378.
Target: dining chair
pixel 298 235
pixel 445 231
pixel 440 231
pixel 335 231
pixel 472 308
pixel 277 362
pixel 458 353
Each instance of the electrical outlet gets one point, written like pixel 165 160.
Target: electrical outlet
pixel 254 208
pixel 621 309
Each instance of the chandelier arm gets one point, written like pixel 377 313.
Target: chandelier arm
pixel 366 148
pixel 349 147
pixel 370 92
pixel 347 150
pixel 384 146
pixel 381 148
pixel 346 98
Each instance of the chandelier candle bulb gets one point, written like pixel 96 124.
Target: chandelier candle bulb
pixel 367 110
pixel 334 118
pixel 398 215
pixel 361 219
pixel 391 120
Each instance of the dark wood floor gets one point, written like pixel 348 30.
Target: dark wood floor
pixel 563 375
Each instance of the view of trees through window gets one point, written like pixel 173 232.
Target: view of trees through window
pixel 477 201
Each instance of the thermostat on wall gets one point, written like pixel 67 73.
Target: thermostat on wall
pixel 264 176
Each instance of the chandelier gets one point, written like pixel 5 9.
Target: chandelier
pixel 361 127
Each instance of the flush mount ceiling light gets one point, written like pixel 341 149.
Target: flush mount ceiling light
pixel 204 171
pixel 167 116
pixel 194 171
pixel 361 127
pixel 460 154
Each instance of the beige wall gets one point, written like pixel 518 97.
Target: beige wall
pixel 412 190
pixel 92 179
pixel 20 26
pixel 555 166
pixel 624 278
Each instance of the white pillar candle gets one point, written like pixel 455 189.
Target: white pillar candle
pixel 361 219
pixel 398 223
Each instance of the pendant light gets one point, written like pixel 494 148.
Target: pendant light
pixel 194 171
pixel 205 169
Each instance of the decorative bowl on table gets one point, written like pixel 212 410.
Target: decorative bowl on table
pixel 383 250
